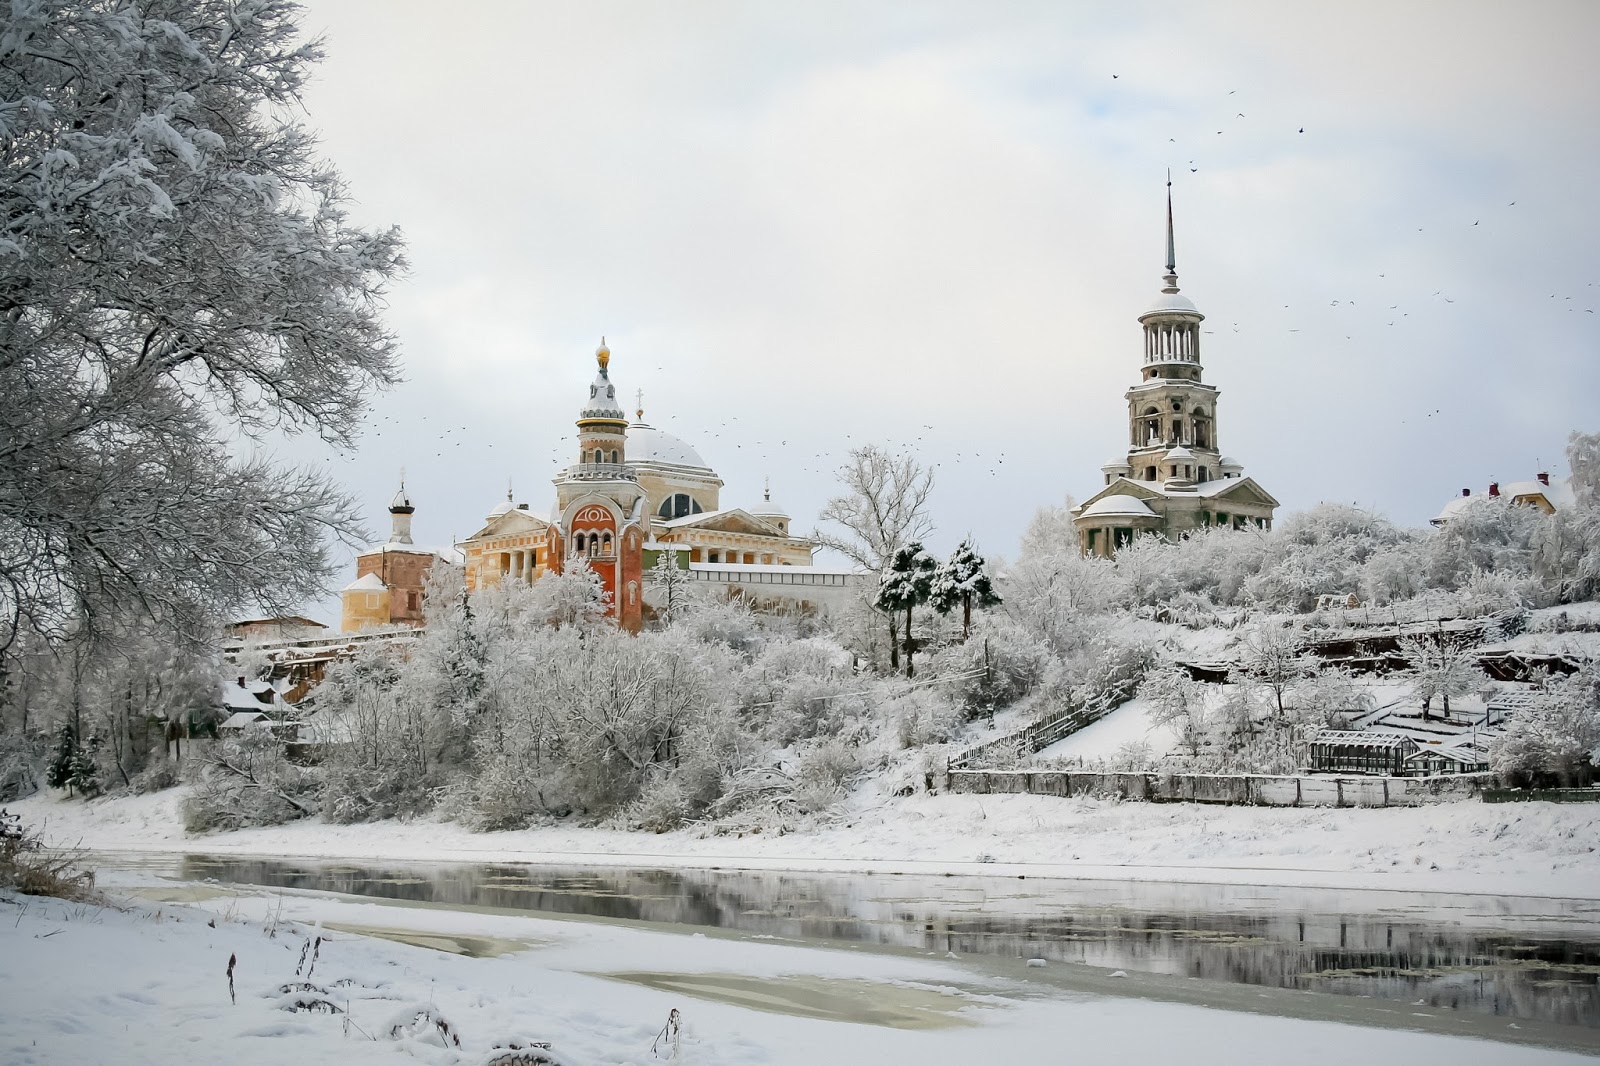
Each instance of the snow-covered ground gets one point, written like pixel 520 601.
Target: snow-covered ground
pixel 1528 849
pixel 1128 724
pixel 146 982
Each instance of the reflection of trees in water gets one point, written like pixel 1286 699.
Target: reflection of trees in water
pixel 1369 955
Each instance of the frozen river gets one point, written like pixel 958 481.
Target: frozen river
pixel 1526 969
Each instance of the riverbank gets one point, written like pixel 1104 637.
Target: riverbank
pixel 1525 849
pixel 321 979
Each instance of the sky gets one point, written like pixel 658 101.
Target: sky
pixel 806 227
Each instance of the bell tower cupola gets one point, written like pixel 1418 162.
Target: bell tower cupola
pixel 1171 409
pixel 602 424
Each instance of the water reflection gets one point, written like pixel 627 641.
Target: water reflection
pixel 1517 958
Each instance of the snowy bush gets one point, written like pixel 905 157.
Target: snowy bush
pixel 924 716
pixel 999 664
pixel 248 782
pixel 1557 738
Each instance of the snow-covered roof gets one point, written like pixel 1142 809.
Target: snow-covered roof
pixel 1558 493
pixel 1116 466
pixel 1228 464
pixel 726 512
pixel 1359 739
pixel 648 445
pixel 768 509
pixel 772 568
pixel 244 719
pixel 1118 505
pixel 366 583
pixel 1180 454
pixel 1214 487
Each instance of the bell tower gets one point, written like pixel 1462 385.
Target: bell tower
pixel 1172 427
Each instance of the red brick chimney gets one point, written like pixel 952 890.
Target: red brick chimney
pixel 1466 492
pixel 1494 488
pixel 1544 478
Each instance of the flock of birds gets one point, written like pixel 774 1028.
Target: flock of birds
pixel 781 452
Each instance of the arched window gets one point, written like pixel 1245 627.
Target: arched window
pixel 599 456
pixel 613 455
pixel 578 543
pixel 679 505
pixel 594 544
pixel 605 544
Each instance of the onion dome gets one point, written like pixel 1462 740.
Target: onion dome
pixel 1118 505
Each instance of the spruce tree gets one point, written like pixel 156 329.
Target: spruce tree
pixel 58 774
pixel 907 583
pixel 963 579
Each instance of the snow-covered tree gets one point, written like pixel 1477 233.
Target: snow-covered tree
pixel 1178 702
pixel 672 587
pixel 1274 658
pixel 1557 737
pixel 176 269
pixel 903 586
pixel 574 597
pixel 1440 668
pixel 963 579
pixel 883 506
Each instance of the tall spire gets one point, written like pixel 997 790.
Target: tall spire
pixel 1172 256
pixel 639 399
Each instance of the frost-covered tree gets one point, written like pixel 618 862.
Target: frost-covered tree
pixel 176 269
pixel 1440 668
pixel 1274 658
pixel 884 506
pixel 574 597
pixel 1178 702
pixel 1557 737
pixel 672 587
pixel 903 586
pixel 963 579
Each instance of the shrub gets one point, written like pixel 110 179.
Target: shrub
pixel 26 865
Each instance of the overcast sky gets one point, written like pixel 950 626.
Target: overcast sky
pixel 803 227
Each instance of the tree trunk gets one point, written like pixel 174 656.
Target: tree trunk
pixel 894 645
pixel 966 615
pixel 911 669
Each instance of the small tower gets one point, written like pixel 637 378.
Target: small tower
pixel 600 505
pixel 400 512
pixel 602 424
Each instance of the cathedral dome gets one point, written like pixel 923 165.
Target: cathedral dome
pixel 647 444
pixel 1180 454
pixel 1118 505
pixel 1230 465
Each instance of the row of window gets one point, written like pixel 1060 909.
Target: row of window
pixel 591 544
pixel 600 456
pixel 678 505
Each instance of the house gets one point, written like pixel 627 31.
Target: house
pixel 283 627
pixel 1544 492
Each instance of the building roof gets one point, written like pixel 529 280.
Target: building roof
pixel 1171 301
pixel 1357 738
pixel 1119 506
pixel 1180 454
pixel 649 446
pixel 243 719
pixel 366 583
pixel 602 402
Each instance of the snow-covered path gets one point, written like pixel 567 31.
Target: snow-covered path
pixel 1528 849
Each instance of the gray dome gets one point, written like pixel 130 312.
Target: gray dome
pixel 649 445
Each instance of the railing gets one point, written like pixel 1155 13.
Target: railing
pixel 601 472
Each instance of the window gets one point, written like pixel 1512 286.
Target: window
pixel 599 456
pixel 605 545
pixel 613 455
pixel 715 557
pixel 679 505
pixel 1149 473
pixel 1204 476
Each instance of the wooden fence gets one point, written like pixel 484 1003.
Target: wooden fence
pixel 1268 790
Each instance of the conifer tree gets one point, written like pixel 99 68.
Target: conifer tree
pixel 964 579
pixel 58 774
pixel 907 583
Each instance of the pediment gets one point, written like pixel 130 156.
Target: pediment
pixel 514 522
pixel 1246 490
pixel 736 520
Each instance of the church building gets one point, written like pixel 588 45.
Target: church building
pixel 1174 477
pixel 633 492
pixel 387 590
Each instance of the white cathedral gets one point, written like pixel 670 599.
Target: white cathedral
pixel 1174 477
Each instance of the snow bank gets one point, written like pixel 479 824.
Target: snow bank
pixel 1528 849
